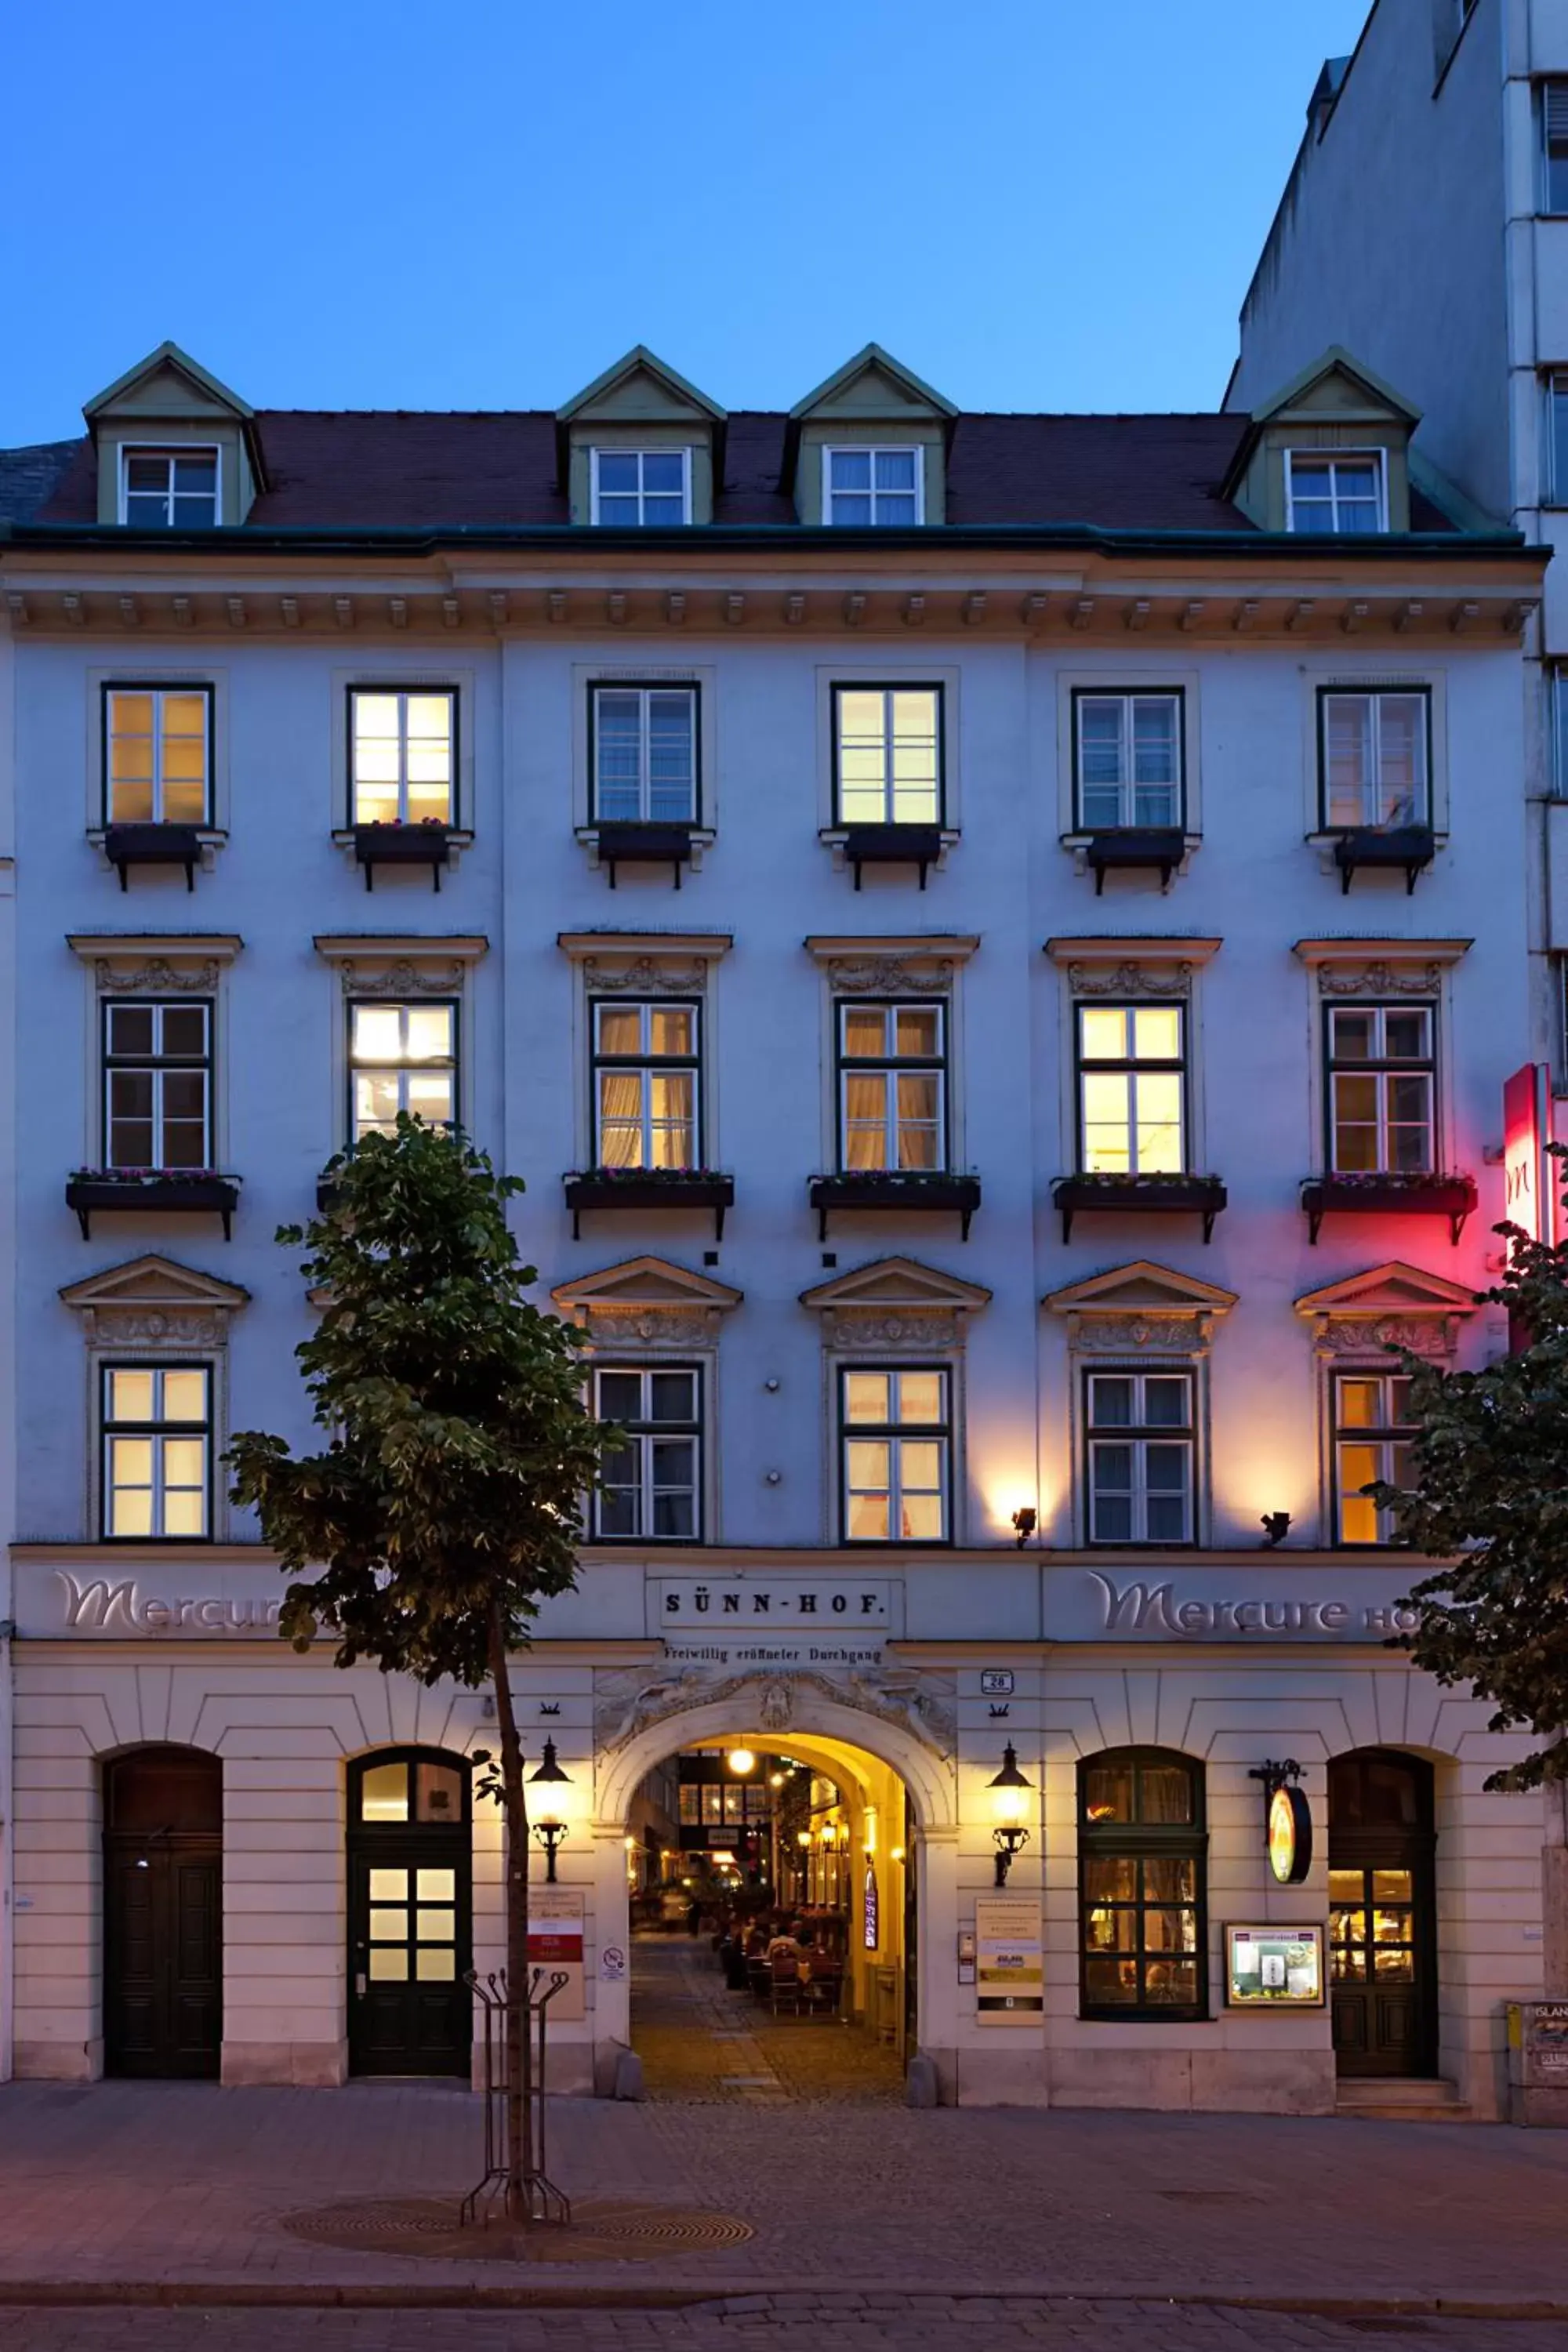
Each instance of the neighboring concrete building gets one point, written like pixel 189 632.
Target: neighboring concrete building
pixel 997 962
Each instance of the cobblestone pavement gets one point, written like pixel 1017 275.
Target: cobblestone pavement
pixel 698 2041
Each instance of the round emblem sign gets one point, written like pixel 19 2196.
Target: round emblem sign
pixel 1290 1836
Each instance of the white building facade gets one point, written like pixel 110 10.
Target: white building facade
pixel 994 945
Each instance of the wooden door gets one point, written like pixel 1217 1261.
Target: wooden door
pixel 409 1934
pixel 163 1914
pixel 1381 1915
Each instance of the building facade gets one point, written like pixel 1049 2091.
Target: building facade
pixel 994 943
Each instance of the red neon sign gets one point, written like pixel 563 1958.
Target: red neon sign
pixel 1524 1124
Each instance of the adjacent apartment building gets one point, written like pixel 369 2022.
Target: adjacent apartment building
pixel 993 941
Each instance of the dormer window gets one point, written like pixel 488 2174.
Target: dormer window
pixel 169 490
pixel 872 488
pixel 1335 495
pixel 641 489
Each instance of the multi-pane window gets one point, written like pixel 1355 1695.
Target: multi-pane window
pixel 401 1058
pixel 170 489
pixel 157 754
pixel 650 1482
pixel 1131 1081
pixel 887 754
pixel 157 1449
pixel 645 755
pixel 157 1083
pixel 1382 1089
pixel 892 1086
pixel 402 756
pixel 1555 490
pixel 1373 1438
pixel 640 488
pixel 1374 760
pixel 897 1440
pixel 1140 1885
pixel 646 1072
pixel 1554 147
pixel 1129 756
pixel 879 488
pixel 1328 495
pixel 1139 1441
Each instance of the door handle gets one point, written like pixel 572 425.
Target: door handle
pixel 359 1985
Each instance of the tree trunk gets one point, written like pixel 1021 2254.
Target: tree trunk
pixel 520 2151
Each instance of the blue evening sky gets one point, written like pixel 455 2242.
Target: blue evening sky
pixel 335 204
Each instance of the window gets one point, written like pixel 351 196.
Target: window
pixel 157 754
pixel 1140 1885
pixel 645 754
pixel 169 490
pixel 157 1450
pixel 1127 749
pixel 1335 494
pixel 645 1069
pixel 157 1085
pixel 401 1058
pixel 637 489
pixel 1372 1439
pixel 1382 1089
pixel 892 1086
pixel 650 1481
pixel 1139 1438
pixel 1131 1081
pixel 402 757
pixel 872 488
pixel 1557 688
pixel 887 754
pixel 1555 490
pixel 897 1442
pixel 1554 147
pixel 1375 759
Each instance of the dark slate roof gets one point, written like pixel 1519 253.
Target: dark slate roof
pixel 29 478
pixel 345 468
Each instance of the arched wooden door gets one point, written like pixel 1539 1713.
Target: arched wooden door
pixel 410 1883
pixel 1383 1931
pixel 162 1914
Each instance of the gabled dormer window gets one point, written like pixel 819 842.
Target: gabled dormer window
pixel 169 490
pixel 876 487
pixel 1342 494
pixel 639 488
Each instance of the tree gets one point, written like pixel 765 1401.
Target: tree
pixel 445 1503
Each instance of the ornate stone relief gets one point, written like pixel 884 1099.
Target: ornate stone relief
pixel 883 1328
pixel 921 1704
pixel 1379 979
pixel 1433 1337
pixel 642 1326
pixel 157 974
pixel 645 975
pixel 1134 1334
pixel 370 976
pixel 891 975
pixel 1132 979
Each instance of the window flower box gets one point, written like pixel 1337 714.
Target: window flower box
pixel 644 845
pixel 891 844
pixel 125 845
pixel 1128 849
pixel 1140 1196
pixel 1390 1195
pixel 649 1188
pixel 427 843
pixel 920 1190
pixel 152 1192
pixel 1406 847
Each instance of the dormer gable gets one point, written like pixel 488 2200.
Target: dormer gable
pixel 176 449
pixel 872 403
pixel 1329 454
pixel 640 405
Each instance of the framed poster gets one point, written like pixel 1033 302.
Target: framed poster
pixel 1009 1962
pixel 1274 1968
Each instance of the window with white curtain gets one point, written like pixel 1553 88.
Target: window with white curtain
pixel 401 1058
pixel 647 1071
pixel 892 1083
pixel 1374 760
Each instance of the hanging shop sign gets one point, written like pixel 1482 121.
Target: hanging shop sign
pixel 555 1945
pixel 1290 1836
pixel 1527 1200
pixel 1010 1979
pixel 871 1911
pixel 1274 1968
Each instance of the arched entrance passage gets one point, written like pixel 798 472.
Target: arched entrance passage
pixel 1383 1930
pixel 410 1889
pixel 162 1914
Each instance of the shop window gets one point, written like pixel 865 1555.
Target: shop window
pixel 1142 1936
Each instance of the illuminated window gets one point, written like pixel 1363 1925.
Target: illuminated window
pixel 1374 763
pixel 402 1059
pixel 1382 1089
pixel 646 1072
pixel 1139 1441
pixel 1329 495
pixel 649 1482
pixel 157 1450
pixel 157 754
pixel 887 745
pixel 402 757
pixel 1142 1848
pixel 645 755
pixel 1128 750
pixel 872 488
pixel 1132 1089
pixel 169 490
pixel 892 1086
pixel 895 1440
pixel 157 1083
pixel 639 488
pixel 1372 1439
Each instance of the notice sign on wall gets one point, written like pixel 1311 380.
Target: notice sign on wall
pixel 1274 1968
pixel 555 1944
pixel 1010 1979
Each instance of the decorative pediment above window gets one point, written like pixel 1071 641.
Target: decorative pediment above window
pixel 872 402
pixel 640 403
pixel 1392 1305
pixel 1381 967
pixel 153 1302
pixel 399 965
pixel 916 964
pixel 894 1303
pixel 646 1302
pixel 1141 1309
pixel 645 963
pixel 1131 968
pixel 168 406
pixel 141 964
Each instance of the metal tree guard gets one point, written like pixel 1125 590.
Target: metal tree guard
pixel 543 2201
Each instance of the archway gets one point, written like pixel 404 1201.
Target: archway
pixel 162 1914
